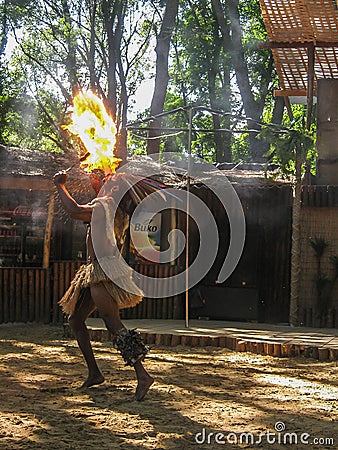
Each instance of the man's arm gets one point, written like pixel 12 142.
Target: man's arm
pixel 76 211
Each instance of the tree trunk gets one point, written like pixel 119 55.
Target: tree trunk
pixel 226 90
pixel 162 76
pixel 4 28
pixel 94 85
pixel 295 248
pixel 252 108
pixel 235 47
pixel 71 63
pixel 109 14
pixel 278 110
pixel 121 147
pixel 223 152
pixel 114 13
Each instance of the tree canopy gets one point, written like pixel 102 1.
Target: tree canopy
pixel 198 53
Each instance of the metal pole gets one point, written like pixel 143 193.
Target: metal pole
pixel 188 222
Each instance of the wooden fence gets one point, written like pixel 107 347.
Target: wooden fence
pixel 25 295
pixel 32 294
pixel 308 317
pixel 63 273
pixel 157 308
pixel 320 196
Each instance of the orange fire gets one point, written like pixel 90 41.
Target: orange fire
pixel 97 131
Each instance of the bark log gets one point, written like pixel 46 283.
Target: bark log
pixel 295 248
pixel 162 76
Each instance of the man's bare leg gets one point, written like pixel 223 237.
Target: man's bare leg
pixel 110 314
pixel 144 381
pixel 78 325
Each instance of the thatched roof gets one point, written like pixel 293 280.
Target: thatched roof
pixel 37 168
pixel 30 164
pixel 16 162
pixel 174 173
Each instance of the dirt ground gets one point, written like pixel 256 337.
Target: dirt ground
pixel 198 391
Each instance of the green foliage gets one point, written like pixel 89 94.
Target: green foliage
pixel 258 60
pixel 63 45
pixel 286 142
pixel 201 56
pixel 240 148
pixel 23 123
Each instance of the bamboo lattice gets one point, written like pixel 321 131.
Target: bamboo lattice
pixel 302 22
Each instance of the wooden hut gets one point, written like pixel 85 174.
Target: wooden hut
pixel 36 242
pixel 32 224
pixel 259 287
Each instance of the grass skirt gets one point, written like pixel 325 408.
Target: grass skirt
pixel 92 273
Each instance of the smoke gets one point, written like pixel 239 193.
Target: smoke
pixel 26 109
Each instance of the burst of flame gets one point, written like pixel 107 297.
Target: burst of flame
pixel 97 131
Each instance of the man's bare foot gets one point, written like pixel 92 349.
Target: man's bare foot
pixel 93 380
pixel 143 387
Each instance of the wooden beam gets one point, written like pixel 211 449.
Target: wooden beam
pixel 48 232
pixel 34 183
pixel 271 45
pixel 310 84
pixel 290 93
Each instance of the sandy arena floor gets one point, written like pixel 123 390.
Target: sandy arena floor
pixel 198 391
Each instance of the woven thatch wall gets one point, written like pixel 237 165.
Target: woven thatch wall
pixel 318 223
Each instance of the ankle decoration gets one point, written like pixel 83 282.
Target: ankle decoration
pixel 131 346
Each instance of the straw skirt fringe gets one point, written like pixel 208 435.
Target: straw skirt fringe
pixel 92 273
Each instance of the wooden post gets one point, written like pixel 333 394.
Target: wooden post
pixel 17 293
pixel 6 295
pixel 187 224
pixel 37 296
pixel 48 303
pixel 56 316
pixel 288 107
pixel 295 247
pixel 295 250
pixel 42 294
pixel 12 294
pixel 2 295
pixel 25 296
pixel 310 81
pixel 30 301
pixel 48 232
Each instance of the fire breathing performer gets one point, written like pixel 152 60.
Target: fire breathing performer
pixel 92 288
